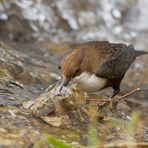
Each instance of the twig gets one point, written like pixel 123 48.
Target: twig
pixel 98 100
pixel 133 91
pixel 119 97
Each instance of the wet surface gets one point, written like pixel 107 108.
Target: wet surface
pixel 22 80
pixel 18 83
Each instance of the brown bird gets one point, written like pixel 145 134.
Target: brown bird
pixel 97 65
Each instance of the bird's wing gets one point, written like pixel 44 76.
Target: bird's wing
pixel 117 63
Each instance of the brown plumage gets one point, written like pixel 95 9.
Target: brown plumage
pixel 106 62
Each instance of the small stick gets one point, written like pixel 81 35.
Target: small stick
pixel 133 91
pixel 119 97
pixel 97 100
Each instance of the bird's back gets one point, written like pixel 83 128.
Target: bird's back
pixel 106 60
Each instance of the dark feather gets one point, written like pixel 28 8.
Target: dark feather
pixel 118 62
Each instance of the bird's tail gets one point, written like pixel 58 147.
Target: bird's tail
pixel 138 52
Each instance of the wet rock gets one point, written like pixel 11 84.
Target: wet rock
pixel 42 106
pixel 64 106
pixel 22 76
pixel 22 79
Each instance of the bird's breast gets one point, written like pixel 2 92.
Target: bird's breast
pixel 90 82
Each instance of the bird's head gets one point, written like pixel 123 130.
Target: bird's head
pixel 69 66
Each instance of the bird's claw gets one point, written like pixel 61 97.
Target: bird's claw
pixel 113 104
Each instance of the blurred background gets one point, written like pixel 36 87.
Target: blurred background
pixel 75 20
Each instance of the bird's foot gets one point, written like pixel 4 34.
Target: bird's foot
pixel 113 104
pixel 114 100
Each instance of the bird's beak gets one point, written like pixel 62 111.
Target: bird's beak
pixel 66 81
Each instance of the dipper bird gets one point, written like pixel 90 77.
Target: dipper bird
pixel 97 65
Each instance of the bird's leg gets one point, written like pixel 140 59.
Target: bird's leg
pixel 114 100
pixel 116 90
